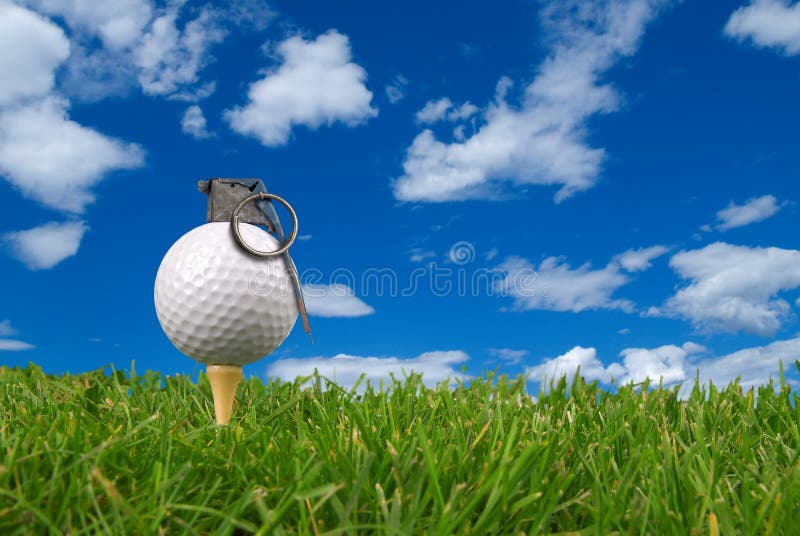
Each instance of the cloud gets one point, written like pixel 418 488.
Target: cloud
pixel 666 363
pixel 11 345
pixel 542 140
pixel 444 109
pixel 567 364
pixel 334 301
pixel 45 246
pixel 673 364
pixel 734 288
pixel 768 24
pixel 754 365
pixel 509 355
pixel 396 91
pixel 637 260
pixel 433 111
pixel 118 44
pixel 316 84
pixel 345 369
pixel 6 329
pixel 194 123
pixel 753 210
pixel 419 254
pixel 118 23
pixel 170 59
pixel 554 286
pixel 33 48
pixel 56 161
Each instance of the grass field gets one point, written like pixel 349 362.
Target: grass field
pixel 138 454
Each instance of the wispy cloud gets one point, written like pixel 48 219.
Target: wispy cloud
pixel 542 139
pixel 753 210
pixel 420 255
pixel 6 329
pixel 161 48
pixel 555 286
pixel 509 355
pixel 444 109
pixel 637 260
pixel 11 344
pixel 396 90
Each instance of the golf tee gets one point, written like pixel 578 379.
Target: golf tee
pixel 224 380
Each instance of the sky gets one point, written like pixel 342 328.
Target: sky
pixel 523 187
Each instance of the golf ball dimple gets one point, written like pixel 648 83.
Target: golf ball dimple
pixel 220 305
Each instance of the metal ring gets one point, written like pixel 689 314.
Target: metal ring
pixel 235 225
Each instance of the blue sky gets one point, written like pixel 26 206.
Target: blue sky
pixel 624 172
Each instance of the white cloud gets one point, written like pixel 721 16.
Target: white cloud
pixel 567 364
pixel 554 286
pixel 769 24
pixel 665 363
pixel 396 91
pixel 753 210
pixel 754 365
pixel 465 111
pixel 163 49
pixel 55 160
pixel 170 59
pixel 45 246
pixel 674 364
pixel 334 301
pixel 6 329
pixel 491 254
pixel 11 345
pixel 442 109
pixel 316 84
pixel 509 355
pixel 194 123
pixel 637 260
pixel 419 254
pixel 345 369
pixel 32 49
pixel 433 111
pixel 119 23
pixel 543 139
pixel 733 288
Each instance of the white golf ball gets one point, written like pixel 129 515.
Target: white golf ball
pixel 220 305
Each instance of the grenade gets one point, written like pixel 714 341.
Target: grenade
pixel 227 293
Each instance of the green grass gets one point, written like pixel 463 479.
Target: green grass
pixel 118 454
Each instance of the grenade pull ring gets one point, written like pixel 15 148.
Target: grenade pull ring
pixel 284 247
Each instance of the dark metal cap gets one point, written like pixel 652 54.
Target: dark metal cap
pixel 225 194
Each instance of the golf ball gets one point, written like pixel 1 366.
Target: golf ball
pixel 220 305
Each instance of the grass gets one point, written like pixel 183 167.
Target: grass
pixel 138 454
